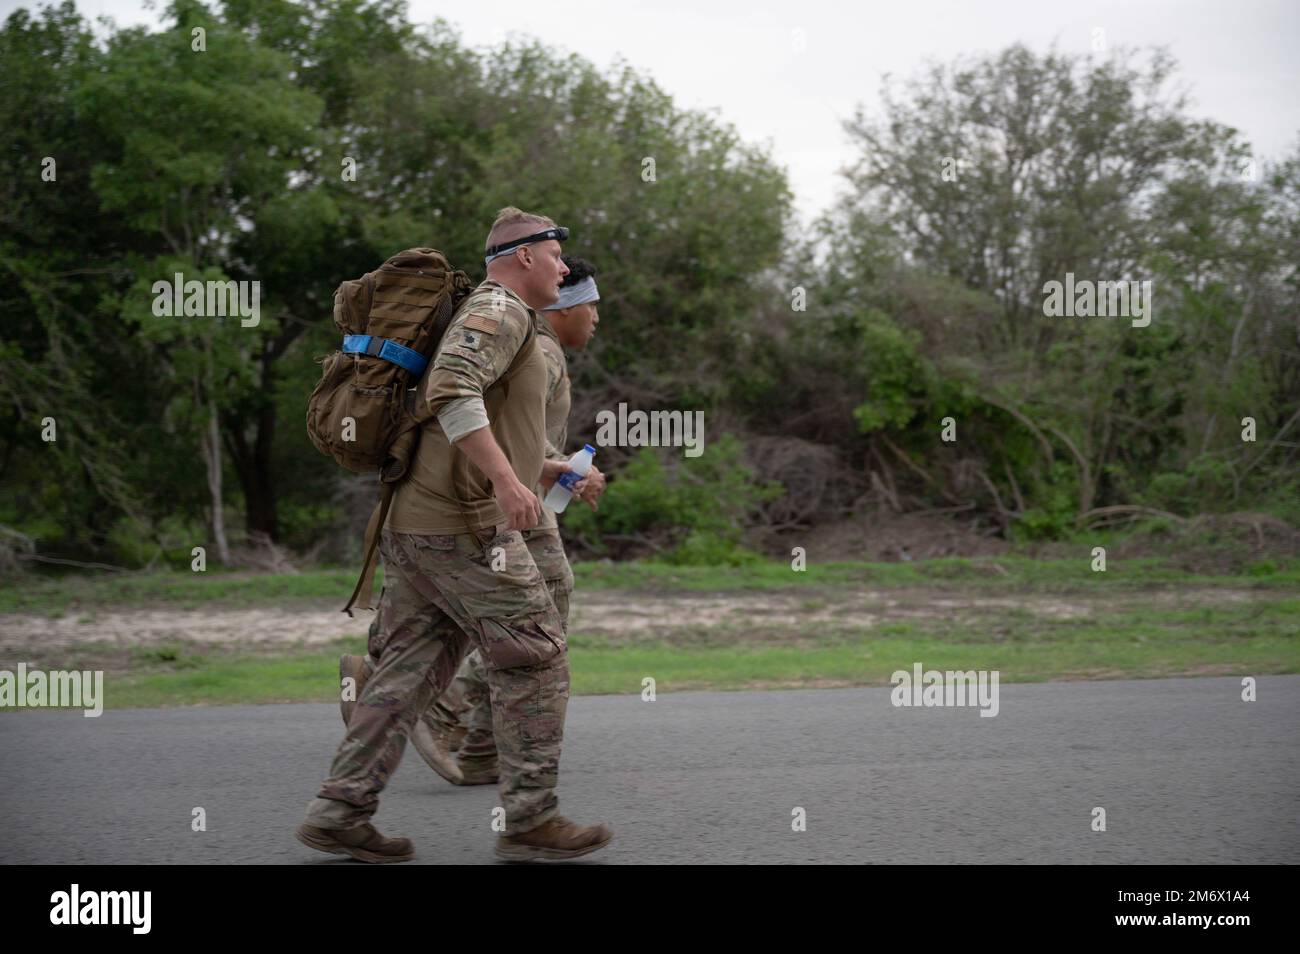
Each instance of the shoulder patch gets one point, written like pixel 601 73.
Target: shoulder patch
pixel 484 323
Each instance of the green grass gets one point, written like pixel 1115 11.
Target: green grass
pixel 57 596
pixel 313 677
pixel 1134 637
pixel 872 663
pixel 182 590
pixel 1240 638
pixel 994 574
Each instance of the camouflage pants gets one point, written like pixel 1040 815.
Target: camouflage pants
pixel 440 594
pixel 466 699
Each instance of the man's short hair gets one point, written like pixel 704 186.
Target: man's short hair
pixel 509 220
pixel 579 268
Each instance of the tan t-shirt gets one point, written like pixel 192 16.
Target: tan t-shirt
pixel 445 493
pixel 558 403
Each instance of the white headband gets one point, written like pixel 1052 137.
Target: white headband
pixel 576 294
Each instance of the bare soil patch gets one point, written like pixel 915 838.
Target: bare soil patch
pixel 618 617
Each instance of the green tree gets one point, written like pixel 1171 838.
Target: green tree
pixel 208 136
pixel 998 174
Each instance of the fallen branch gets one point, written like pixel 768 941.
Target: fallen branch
pixel 930 513
pixel 88 566
pixel 1130 512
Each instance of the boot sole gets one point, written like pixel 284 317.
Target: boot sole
pixel 338 848
pixel 492 780
pixel 538 853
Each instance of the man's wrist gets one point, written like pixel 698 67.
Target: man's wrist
pixel 500 473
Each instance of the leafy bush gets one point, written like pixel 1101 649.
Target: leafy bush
pixel 694 507
pixel 1054 518
pixel 708 548
pixel 896 376
pixel 1204 486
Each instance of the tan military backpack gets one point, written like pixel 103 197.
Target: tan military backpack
pixel 392 321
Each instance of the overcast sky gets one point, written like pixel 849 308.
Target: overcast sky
pixel 1240 59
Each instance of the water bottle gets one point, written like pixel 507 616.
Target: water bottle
pixel 559 496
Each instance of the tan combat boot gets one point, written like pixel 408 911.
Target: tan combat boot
pixel 363 843
pixel 354 666
pixel 478 772
pixel 557 840
pixel 432 745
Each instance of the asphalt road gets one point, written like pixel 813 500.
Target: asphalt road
pixel 1185 770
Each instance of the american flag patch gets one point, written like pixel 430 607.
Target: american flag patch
pixel 486 323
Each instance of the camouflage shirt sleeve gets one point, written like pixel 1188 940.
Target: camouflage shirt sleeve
pixel 555 371
pixel 477 349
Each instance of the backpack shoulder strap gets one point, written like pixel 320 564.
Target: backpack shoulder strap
pixel 365 588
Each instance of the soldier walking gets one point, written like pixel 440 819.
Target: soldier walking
pixel 569 322
pixel 457 570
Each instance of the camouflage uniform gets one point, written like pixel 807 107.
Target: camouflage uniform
pixel 467 697
pixel 442 592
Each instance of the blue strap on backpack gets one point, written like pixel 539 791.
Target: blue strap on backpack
pixel 399 355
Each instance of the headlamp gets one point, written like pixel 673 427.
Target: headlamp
pixel 559 233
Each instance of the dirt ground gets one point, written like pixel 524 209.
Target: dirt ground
pixel 892 537
pixel 614 616
pixel 1221 544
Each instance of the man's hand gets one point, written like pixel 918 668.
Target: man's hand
pixel 589 489
pixel 517 502
pixel 551 470
pixel 520 505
